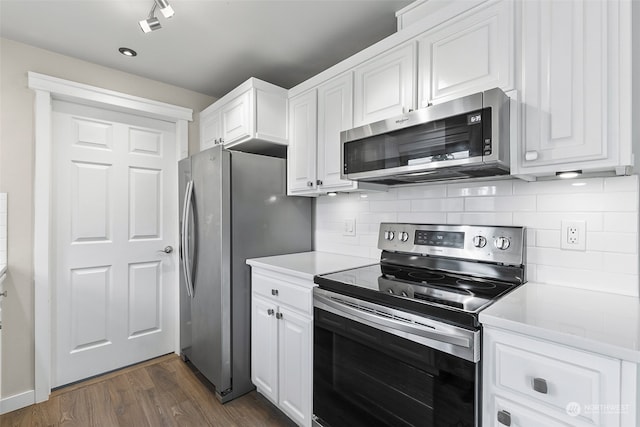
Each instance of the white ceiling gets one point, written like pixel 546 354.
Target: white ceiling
pixel 209 46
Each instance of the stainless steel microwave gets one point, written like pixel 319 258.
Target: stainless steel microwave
pixel 464 138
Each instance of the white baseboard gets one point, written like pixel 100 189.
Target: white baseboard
pixel 17 401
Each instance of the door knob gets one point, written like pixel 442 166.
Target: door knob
pixel 167 249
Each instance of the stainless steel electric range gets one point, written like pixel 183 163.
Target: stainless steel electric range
pixel 398 343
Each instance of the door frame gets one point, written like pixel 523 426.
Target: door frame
pixel 46 90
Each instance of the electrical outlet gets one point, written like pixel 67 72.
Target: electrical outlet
pixel 573 235
pixel 349 227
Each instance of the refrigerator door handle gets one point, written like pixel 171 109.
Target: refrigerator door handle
pixel 186 258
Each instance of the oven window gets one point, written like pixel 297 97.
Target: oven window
pixel 367 377
pixel 456 137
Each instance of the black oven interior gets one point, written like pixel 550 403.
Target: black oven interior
pixel 364 376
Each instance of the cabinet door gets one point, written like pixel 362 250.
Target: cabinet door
pixel 468 55
pixel 295 352
pixel 301 158
pixel 209 130
pixel 236 119
pixel 566 66
pixel 264 347
pixel 384 87
pixel 335 114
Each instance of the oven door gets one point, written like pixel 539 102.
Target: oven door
pixel 371 369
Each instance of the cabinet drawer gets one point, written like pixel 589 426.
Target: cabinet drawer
pixel 283 292
pixel 504 413
pixel 556 377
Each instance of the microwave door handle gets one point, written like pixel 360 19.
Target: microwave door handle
pixel 450 338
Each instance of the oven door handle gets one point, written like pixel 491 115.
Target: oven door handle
pixel 324 302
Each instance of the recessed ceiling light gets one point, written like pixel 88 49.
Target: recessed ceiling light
pixel 127 52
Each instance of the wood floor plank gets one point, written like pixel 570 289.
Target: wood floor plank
pixel 157 393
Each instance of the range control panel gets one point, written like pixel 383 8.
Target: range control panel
pixel 504 245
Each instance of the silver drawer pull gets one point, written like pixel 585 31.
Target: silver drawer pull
pixel 278 315
pixel 270 312
pixel 274 292
pixel 504 418
pixel 540 385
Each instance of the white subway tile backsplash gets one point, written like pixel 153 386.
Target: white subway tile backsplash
pixel 390 206
pixel 588 202
pixel 422 192
pixel 480 218
pixel 609 206
pixel 497 188
pixel 547 239
pixel 423 217
pixel 621 183
pixel 625 222
pixel 438 205
pixel 560 186
pixel 613 242
pixel 500 204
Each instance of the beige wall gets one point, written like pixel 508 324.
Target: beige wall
pixel 16 178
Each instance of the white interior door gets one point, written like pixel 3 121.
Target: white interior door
pixel 114 211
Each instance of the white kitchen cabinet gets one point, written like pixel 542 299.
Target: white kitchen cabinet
pixel 576 87
pixel 533 382
pixel 301 158
pixel 335 114
pixel 210 131
pixel 385 85
pixel 468 54
pixel 281 342
pixel 252 117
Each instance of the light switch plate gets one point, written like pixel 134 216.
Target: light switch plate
pixel 349 227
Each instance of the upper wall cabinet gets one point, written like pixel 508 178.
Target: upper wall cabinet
pixel 335 114
pixel 252 117
pixel 301 158
pixel 576 87
pixel 468 54
pixel 385 85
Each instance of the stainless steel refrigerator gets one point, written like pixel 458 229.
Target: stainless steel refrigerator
pixel 233 207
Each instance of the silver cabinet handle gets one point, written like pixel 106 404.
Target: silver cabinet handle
pixel 270 312
pixel 504 418
pixel 3 294
pixel 274 292
pixel 279 316
pixel 540 385
pixel 167 249
pixel 531 155
pixel 319 182
pixel 309 183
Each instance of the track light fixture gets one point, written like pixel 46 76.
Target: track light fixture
pixel 152 23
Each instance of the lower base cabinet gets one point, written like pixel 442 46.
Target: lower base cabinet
pixel 281 342
pixel 533 382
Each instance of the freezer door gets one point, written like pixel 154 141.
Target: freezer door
pixel 210 305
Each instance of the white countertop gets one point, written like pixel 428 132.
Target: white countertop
pixel 598 322
pixel 307 264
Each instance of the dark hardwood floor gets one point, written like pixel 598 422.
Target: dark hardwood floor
pixel 159 392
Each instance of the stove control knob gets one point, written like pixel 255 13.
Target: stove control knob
pixel 389 235
pixel 390 290
pixel 404 294
pixel 502 243
pixel 404 236
pixel 479 241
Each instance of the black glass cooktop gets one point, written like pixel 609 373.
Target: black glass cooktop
pixel 452 297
